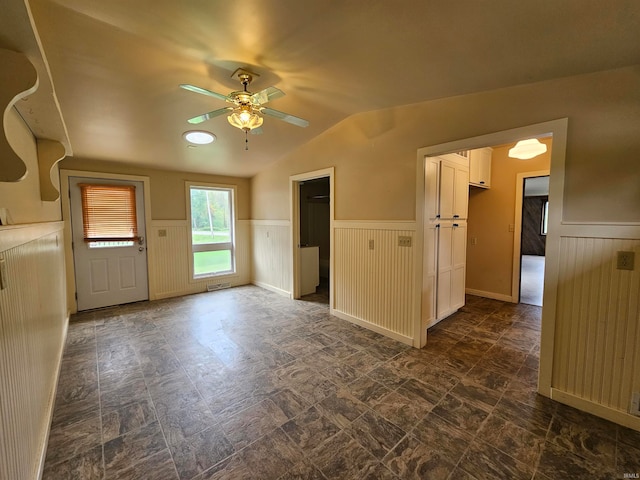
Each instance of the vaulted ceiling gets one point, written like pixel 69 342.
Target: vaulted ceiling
pixel 116 65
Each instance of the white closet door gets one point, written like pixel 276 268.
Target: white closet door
pixel 459 264
pixel 445 269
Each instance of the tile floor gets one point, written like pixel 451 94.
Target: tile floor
pixel 246 384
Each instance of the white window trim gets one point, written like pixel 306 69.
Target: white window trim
pixel 193 278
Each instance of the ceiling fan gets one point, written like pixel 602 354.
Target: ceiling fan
pixel 247 108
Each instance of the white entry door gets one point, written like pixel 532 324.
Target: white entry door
pixel 108 272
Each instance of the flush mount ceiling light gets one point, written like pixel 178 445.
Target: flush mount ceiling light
pixel 526 149
pixel 199 137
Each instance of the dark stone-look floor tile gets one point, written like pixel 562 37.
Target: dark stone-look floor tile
pixel 438 434
pixel 289 403
pixel 389 376
pixel 376 472
pixel 84 466
pixel 411 459
pixel 199 452
pixel 375 433
pixel 340 350
pixel 588 443
pixel 367 390
pixel 268 458
pixel 135 391
pixel 157 467
pixel 515 441
pixel 489 378
pixel 627 459
pixel 401 411
pixel 81 385
pixel 303 471
pixel 342 457
pixel 488 463
pixel 315 389
pixel 556 462
pixel 68 441
pixel 123 452
pixel 530 418
pixel 341 408
pixel 310 429
pixel 182 419
pixel 461 413
pixel 120 420
pixel 341 374
pixel 628 436
pixel 476 394
pixel 417 390
pixel 254 422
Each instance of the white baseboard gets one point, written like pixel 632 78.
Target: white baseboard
pixel 277 290
pixel 371 326
pixel 621 418
pixel 492 295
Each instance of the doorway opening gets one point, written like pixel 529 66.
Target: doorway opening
pixel 534 226
pixel 312 214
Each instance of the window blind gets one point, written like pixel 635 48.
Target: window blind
pixel 109 212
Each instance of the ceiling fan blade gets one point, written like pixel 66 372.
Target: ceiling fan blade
pixel 257 131
pixel 207 116
pixel 266 95
pixel 204 91
pixel 300 122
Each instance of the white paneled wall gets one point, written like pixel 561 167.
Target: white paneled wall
pixel 597 338
pixel 33 322
pixel 374 277
pixel 272 255
pixel 169 259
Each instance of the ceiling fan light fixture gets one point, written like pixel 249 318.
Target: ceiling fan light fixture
pixel 199 137
pixel 245 119
pixel 527 149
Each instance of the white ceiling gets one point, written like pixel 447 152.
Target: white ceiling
pixel 116 65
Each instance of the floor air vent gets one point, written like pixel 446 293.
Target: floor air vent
pixel 212 287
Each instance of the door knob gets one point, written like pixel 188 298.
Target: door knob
pixel 141 249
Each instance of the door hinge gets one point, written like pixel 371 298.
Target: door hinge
pixel 76 296
pixel 73 246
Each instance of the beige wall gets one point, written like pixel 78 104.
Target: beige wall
pixel 168 197
pixel 23 198
pixel 491 211
pixel 374 153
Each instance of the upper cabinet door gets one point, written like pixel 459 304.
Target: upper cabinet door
pixel 448 187
pixel 432 188
pixel 454 190
pixel 480 167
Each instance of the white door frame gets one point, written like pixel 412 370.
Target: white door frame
pixel 557 128
pixel 517 234
pixel 66 217
pixel 294 198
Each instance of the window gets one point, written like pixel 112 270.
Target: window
pixel 212 230
pixel 545 218
pixel 109 215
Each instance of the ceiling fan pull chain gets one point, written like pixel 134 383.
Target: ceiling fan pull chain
pixel 246 140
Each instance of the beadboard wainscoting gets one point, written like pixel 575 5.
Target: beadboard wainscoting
pixel 169 260
pixel 33 326
pixel 374 277
pixel 271 240
pixel 597 334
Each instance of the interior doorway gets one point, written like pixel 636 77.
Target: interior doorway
pixel 532 220
pixel 312 214
pixel 535 221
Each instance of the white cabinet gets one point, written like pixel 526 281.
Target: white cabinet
pixel 445 235
pixel 452 259
pixel 447 187
pixel 480 167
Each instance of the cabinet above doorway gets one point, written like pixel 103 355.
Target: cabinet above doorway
pixel 480 167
